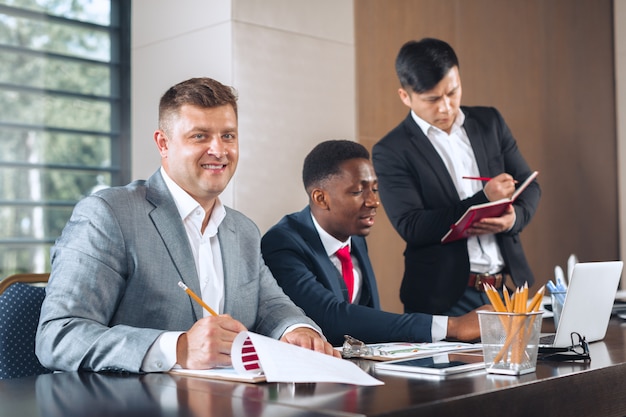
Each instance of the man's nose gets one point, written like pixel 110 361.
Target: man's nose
pixel 217 149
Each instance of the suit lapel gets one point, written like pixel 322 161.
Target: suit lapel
pixel 231 256
pixel 430 156
pixel 167 221
pixel 368 281
pixel 312 238
pixel 478 145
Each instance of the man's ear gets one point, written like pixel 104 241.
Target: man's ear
pixel 319 198
pixel 405 97
pixel 161 142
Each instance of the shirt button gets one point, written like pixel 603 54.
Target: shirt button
pixel 159 364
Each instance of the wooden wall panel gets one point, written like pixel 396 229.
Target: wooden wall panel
pixel 547 65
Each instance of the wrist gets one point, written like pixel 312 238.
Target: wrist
pixel 181 350
pixel 452 328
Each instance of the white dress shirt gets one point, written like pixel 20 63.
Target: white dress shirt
pixel 457 154
pixel 205 246
pixel 331 246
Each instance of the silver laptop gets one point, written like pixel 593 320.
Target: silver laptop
pixel 588 303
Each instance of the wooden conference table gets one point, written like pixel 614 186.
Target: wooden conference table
pixel 555 389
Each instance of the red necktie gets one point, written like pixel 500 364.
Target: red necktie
pixel 346 269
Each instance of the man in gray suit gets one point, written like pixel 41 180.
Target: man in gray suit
pixel 113 301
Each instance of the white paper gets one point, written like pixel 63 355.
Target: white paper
pixel 282 362
pixel 402 350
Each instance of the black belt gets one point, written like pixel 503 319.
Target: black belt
pixel 477 281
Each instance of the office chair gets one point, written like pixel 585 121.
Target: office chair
pixel 20 305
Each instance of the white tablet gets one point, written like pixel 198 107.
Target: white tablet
pixel 440 364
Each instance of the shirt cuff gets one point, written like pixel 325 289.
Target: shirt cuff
pixel 295 326
pixel 161 356
pixel 439 328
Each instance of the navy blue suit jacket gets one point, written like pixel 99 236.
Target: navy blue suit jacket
pixel 293 251
pixel 422 202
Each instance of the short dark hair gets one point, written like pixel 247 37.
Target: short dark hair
pixel 202 92
pixel 325 158
pixel 420 65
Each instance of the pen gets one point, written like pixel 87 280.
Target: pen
pixel 195 297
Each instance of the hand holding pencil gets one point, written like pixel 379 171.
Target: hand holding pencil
pixel 207 344
pixel 499 187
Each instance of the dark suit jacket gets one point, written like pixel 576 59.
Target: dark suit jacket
pixel 421 201
pixel 293 251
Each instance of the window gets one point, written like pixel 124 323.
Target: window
pixel 64 117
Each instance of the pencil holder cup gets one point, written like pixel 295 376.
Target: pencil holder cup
pixel 510 341
pixel 557 299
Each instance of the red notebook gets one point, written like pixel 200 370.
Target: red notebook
pixel 480 211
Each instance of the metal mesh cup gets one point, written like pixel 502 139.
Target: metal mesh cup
pixel 510 341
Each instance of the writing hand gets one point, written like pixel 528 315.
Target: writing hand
pixel 499 187
pixel 207 344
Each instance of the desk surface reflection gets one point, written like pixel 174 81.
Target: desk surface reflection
pixel 555 388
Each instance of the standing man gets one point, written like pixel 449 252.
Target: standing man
pixel 113 301
pixel 421 164
pixel 304 251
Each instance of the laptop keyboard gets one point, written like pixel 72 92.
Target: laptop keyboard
pixel 547 339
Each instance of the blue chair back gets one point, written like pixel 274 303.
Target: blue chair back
pixel 20 305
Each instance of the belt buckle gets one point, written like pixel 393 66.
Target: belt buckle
pixel 478 283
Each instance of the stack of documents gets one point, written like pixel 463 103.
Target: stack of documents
pixel 401 350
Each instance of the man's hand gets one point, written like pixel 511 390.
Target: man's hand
pixel 309 339
pixel 466 327
pixel 492 225
pixel 207 344
pixel 499 187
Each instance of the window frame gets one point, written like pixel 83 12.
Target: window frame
pixel 119 100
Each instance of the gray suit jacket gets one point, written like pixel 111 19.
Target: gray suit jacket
pixel 114 289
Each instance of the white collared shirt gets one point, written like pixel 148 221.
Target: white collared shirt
pixel 162 354
pixel 458 156
pixel 331 246
pixel 205 246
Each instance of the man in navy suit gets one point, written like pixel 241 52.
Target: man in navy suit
pixel 421 165
pixel 301 253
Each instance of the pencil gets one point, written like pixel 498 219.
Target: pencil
pixel 481 178
pixel 477 178
pixel 195 297
pixel 523 305
pixel 507 299
pixel 535 303
pixel 494 298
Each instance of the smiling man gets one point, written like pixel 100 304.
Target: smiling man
pixel 113 301
pixel 305 253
